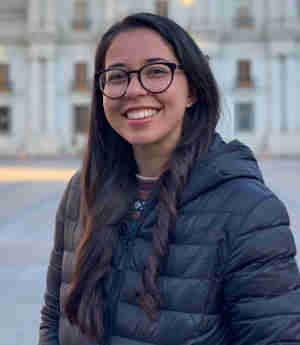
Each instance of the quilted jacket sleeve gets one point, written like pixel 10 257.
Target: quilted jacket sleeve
pixel 50 312
pixel 262 281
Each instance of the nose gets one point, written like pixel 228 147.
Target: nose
pixel 135 88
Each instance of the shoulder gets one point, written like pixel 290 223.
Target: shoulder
pixel 244 194
pixel 252 198
pixel 231 193
pixel 246 205
pixel 73 187
pixel 253 207
pixel 70 202
pixel 260 227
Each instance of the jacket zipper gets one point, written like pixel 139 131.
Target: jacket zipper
pixel 126 247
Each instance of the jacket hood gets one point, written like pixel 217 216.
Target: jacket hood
pixel 223 162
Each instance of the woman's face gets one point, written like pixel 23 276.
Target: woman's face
pixel 131 50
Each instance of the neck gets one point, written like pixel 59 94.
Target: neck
pixel 151 162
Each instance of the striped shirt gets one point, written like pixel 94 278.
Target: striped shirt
pixel 145 186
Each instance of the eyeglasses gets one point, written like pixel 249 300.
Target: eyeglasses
pixel 154 77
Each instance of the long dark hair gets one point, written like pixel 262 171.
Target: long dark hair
pixel 108 179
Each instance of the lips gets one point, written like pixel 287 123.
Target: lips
pixel 140 113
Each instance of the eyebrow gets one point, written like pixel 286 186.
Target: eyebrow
pixel 150 60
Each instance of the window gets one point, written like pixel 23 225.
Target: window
pixel 81 79
pixel 5 120
pixel 161 7
pixel 81 119
pixel 243 18
pixel 244 117
pixel 4 78
pixel 80 21
pixel 244 79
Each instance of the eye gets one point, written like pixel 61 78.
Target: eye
pixel 156 71
pixel 115 76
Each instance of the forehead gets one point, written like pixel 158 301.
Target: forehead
pixel 135 46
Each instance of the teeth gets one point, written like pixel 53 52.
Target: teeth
pixel 141 114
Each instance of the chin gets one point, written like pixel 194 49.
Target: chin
pixel 141 141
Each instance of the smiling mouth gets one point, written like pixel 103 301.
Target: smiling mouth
pixel 141 114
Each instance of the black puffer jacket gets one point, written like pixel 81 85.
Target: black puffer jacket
pixel 230 277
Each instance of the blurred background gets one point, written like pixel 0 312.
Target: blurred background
pixel 46 67
pixel 47 51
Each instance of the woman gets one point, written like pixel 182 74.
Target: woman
pixel 168 235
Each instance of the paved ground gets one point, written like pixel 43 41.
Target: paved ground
pixel 30 192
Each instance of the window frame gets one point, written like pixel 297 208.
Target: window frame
pixel 5 85
pixel 81 21
pixel 244 77
pixel 80 126
pixel 243 17
pixel 161 7
pixel 240 117
pixel 81 80
pixel 6 132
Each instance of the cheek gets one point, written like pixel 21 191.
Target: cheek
pixel 110 109
pixel 176 102
pixel 178 93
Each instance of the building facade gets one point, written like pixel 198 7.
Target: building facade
pixel 47 49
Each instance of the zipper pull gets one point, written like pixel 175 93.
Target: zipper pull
pixel 124 235
pixel 123 229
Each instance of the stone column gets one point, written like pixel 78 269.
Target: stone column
pixel 291 92
pixel 33 15
pixel 283 92
pixel 297 124
pixel 275 96
pixel 41 136
pixel 51 16
pixel 213 13
pixel 203 13
pixel 291 11
pixel 268 82
pixel 110 9
pixel 276 11
pixel 34 99
pixel 50 87
pixel 50 95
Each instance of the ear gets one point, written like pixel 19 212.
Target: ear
pixel 192 98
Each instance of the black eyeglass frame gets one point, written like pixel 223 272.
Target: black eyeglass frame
pixel 173 66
